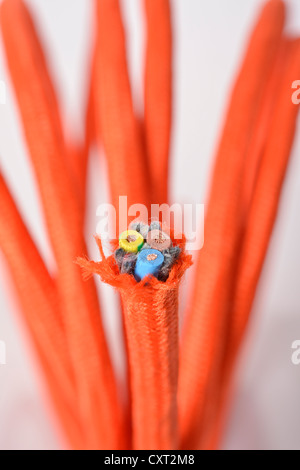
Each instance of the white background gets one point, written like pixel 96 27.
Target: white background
pixel 210 38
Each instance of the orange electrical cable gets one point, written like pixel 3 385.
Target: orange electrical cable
pixel 151 321
pixel 158 95
pixel 205 328
pixel 116 125
pixel 253 158
pixel 262 128
pixel 97 395
pixel 261 220
pixel 37 295
pixel 89 136
pixel 115 122
pixel 72 158
pixel 267 193
pixel 78 156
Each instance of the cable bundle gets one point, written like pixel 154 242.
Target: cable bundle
pixel 178 393
pixel 244 197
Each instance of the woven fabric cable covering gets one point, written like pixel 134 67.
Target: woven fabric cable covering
pixel 179 388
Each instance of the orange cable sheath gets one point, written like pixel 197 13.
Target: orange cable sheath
pixel 93 135
pixel 254 158
pixel 80 164
pixel 265 206
pixel 37 295
pixel 116 125
pixel 261 220
pixel 206 323
pixel 258 141
pixel 72 157
pixel 98 403
pixel 95 112
pixel 115 122
pixel 158 95
pixel 151 321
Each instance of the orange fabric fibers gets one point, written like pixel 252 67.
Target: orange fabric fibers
pixel 151 320
pixel 115 122
pixel 205 329
pixel 95 382
pixel 158 95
